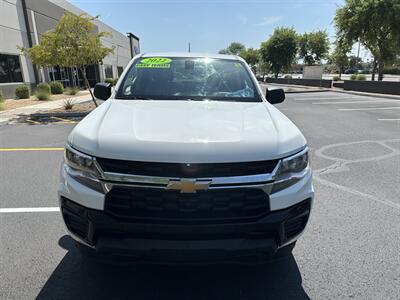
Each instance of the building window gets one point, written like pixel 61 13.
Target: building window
pixel 108 71
pixel 10 68
pixel 59 74
pixel 120 70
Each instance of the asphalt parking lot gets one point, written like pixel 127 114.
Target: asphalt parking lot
pixel 350 249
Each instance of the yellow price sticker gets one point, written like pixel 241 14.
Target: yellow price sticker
pixel 155 62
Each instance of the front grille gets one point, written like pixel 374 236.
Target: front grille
pixel 211 206
pixel 179 170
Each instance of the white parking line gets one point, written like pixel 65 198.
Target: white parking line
pixel 28 209
pixel 369 108
pixel 352 102
pixel 322 98
pixel 388 119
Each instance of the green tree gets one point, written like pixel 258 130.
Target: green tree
pixel 72 43
pixel 234 48
pixel 374 23
pixel 251 56
pixel 313 46
pixel 339 56
pixel 263 67
pixel 279 51
pixel 355 62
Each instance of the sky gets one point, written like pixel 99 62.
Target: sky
pixel 210 25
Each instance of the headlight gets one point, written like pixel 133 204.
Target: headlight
pixel 80 161
pixel 82 168
pixel 294 164
pixel 291 170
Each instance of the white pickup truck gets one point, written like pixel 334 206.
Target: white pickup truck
pixel 186 160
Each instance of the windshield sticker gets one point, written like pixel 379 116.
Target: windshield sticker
pixel 155 62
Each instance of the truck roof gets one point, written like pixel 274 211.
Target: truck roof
pixel 191 54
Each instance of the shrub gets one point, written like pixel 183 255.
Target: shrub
pixel 288 77
pixel 353 77
pixel 1 100
pixel 361 77
pixel 71 91
pixel 109 80
pixel 42 95
pixel 336 78
pixel 56 87
pixel 68 104
pixel 22 92
pixel 391 70
pixel 43 87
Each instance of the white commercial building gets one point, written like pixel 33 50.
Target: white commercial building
pixel 18 17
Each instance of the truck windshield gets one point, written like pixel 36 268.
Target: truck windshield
pixel 180 78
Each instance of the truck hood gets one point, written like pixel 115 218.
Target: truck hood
pixel 186 131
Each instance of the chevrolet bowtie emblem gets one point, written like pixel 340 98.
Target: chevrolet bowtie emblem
pixel 188 185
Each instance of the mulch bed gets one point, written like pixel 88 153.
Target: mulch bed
pixel 16 103
pixel 79 107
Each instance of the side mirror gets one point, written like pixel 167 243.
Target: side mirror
pixel 275 96
pixel 102 90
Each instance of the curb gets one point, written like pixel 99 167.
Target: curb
pixel 45 115
pixel 4 122
pixel 57 114
pixel 309 90
pixel 390 96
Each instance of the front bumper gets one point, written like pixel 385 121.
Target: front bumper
pixel 88 222
pixel 110 236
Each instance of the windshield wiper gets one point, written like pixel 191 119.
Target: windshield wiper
pixel 141 98
pixel 195 99
pixel 134 98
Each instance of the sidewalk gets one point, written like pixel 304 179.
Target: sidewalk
pixel 290 88
pixel 8 115
pixel 307 89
